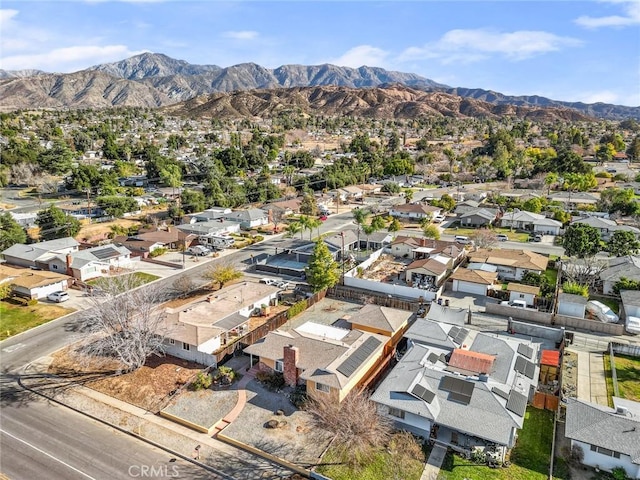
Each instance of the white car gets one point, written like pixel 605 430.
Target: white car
pixel 268 281
pixel 439 218
pixel 601 312
pixel 58 296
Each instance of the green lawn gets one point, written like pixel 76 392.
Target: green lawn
pixel 552 275
pixel 386 463
pixel 16 318
pixel 612 303
pixel 627 374
pixel 469 232
pixel 530 459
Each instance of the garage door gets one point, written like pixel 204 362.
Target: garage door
pixel 42 292
pixel 468 287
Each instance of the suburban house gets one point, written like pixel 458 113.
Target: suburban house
pixel 466 206
pixel 477 282
pixel 479 217
pixel 533 222
pixel 350 193
pixel 251 218
pixel 196 330
pixel 208 229
pixel 426 272
pixel 389 322
pixel 460 388
pixel 528 293
pixel 620 267
pixel 37 254
pixel 142 244
pixel 93 262
pixel 414 211
pixel 630 310
pixel 608 437
pixel 606 227
pixel 572 305
pixel 32 284
pixel 573 199
pixel 418 247
pixel 284 207
pixel 329 360
pixel 511 264
pixel 215 213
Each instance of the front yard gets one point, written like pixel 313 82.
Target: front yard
pixel 139 278
pixel 530 459
pixel 16 318
pixel 470 232
pixel 628 377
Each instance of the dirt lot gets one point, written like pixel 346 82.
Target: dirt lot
pixel 147 387
pixel 386 269
pixel 98 231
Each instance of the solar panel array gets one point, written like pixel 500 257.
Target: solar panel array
pixel 517 403
pixel 525 350
pixel 525 367
pixel 106 252
pixel 356 359
pixel 459 390
pixel 500 393
pixel 423 393
pixel 433 358
pixel 454 331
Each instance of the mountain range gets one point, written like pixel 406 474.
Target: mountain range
pixel 156 80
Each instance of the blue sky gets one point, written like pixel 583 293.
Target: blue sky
pixel 585 51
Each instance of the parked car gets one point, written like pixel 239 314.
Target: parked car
pixel 268 281
pixel 199 250
pixel 58 296
pixel 323 217
pixel 611 170
pixel 502 237
pixel 515 303
pixel 601 312
pixel 439 218
pixel 463 240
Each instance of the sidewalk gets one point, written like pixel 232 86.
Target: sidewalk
pixel 592 385
pixel 432 467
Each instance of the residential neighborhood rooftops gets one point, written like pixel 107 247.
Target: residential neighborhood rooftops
pixel 521 288
pixel 572 298
pixel 474 276
pixel 24 277
pixel 513 258
pixel 381 318
pixel 430 264
pixel 630 297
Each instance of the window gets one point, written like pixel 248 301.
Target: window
pixel 522 295
pixel 396 412
pixel 605 451
pixel 186 346
pixel 279 366
pixel 55 267
pixel 321 387
pixel 172 341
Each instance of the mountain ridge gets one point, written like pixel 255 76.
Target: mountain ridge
pixel 156 80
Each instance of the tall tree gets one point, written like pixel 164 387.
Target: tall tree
pixel 623 243
pixel 128 327
pixel 222 273
pixel 308 206
pixel 322 271
pixel 10 232
pixel 54 223
pixel 431 231
pixel 360 216
pixel 581 240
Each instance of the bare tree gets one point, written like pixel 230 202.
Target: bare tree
pixel 183 286
pixel 126 323
pixel 355 423
pixel 584 271
pixel 23 173
pixel 484 238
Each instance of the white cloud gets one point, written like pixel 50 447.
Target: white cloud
pixel 68 59
pixel 362 55
pixel 241 35
pixel 631 17
pixel 475 45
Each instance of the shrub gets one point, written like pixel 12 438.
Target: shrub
pixel 32 302
pixel 272 380
pixel 5 290
pixel 202 381
pixel 299 396
pixel 576 289
pixel 157 252
pixel 225 375
pixel 619 473
pixel 297 308
pixel 258 238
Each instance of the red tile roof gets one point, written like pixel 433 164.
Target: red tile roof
pixel 550 357
pixel 471 361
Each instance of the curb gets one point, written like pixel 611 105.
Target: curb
pixel 127 432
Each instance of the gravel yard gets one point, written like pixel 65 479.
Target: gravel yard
pixel 294 442
pixel 204 407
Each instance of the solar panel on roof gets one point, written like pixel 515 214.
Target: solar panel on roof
pixel 500 393
pixel 423 393
pixel 433 358
pixel 461 336
pixel 460 398
pixel 525 350
pixel 525 367
pixel 104 253
pixel 443 358
pixel 517 403
pixel 356 359
pixel 457 385
pixel 453 332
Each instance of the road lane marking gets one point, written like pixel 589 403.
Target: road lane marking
pixel 48 455
pixel 13 348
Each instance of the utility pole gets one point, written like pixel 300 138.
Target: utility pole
pixel 343 260
pixel 89 202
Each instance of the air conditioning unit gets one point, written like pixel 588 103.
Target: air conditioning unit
pixel 622 410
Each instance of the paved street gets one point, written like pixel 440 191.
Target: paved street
pixel 51 442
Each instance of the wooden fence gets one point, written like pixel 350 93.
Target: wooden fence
pixel 256 334
pixel 341 292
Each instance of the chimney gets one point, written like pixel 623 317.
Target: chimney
pixel 69 262
pixel 290 371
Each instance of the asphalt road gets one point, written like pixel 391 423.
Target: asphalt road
pixel 42 440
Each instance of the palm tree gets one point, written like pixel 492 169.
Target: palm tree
pixel 314 223
pixel 360 216
pixel 295 227
pixel 305 223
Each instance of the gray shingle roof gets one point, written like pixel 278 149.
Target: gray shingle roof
pixel 601 426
